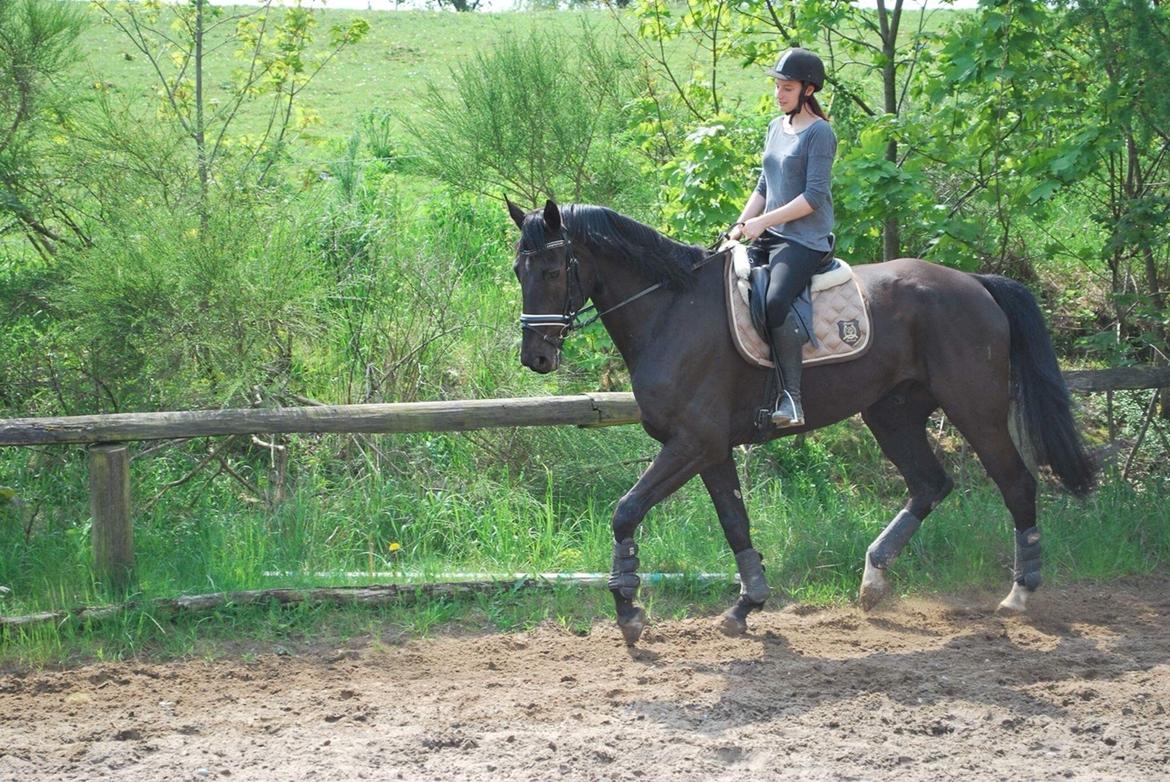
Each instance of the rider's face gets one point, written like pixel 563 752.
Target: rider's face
pixel 787 94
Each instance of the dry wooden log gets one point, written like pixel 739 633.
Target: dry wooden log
pixel 381 593
pixel 600 409
pixel 346 595
pixel 1117 379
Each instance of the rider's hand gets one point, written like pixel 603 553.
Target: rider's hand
pixel 752 229
pixel 735 232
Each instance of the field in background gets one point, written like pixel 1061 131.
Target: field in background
pixel 403 50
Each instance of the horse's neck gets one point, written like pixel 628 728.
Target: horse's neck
pixel 635 328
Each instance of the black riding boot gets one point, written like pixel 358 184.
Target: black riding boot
pixel 787 345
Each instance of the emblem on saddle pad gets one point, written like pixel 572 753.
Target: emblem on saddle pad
pixel 849 331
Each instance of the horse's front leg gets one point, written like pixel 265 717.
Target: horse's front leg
pixel 722 482
pixel 675 464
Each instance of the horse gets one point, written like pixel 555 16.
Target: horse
pixel 974 345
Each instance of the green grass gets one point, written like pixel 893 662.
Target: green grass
pixel 810 519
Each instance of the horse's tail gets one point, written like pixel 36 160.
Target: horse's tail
pixel 1043 416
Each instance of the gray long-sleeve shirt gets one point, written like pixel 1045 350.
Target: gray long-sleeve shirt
pixel 800 164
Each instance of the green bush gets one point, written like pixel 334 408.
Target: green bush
pixel 161 314
pixel 535 117
pixel 709 180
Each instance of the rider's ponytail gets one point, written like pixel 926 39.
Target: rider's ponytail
pixel 815 107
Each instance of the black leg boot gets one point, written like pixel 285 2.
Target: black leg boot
pixel 787 344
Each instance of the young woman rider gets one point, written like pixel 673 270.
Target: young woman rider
pixel 789 217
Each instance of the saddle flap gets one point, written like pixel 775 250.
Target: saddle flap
pixel 757 298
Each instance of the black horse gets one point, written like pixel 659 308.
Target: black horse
pixel 974 345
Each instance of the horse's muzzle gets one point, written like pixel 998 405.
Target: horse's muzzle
pixel 539 351
pixel 540 359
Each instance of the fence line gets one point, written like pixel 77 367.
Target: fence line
pixel 109 464
pixel 599 409
pixel 1117 379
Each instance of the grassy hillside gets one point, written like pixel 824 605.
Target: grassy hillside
pixel 404 50
pixel 385 72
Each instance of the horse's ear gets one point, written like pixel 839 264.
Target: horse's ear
pixel 516 212
pixel 552 215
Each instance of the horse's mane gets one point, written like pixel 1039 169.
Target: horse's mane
pixel 604 231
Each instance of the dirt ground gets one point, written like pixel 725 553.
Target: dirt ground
pixel 922 689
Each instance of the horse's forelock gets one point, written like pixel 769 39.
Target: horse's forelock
pixel 532 233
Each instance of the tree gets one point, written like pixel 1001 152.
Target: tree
pixel 857 45
pixel 1067 104
pixel 460 5
pixel 36 48
pixel 1122 47
pixel 533 117
pixel 275 63
pixel 1005 129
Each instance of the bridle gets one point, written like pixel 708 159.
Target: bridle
pixel 569 318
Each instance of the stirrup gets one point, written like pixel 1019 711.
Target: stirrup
pixel 783 418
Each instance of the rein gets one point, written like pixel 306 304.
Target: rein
pixel 570 319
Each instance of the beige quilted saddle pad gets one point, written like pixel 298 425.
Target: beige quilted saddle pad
pixel 840 315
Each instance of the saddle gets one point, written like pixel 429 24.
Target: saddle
pixel 840 314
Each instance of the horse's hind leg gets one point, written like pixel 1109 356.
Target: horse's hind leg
pixel 983 420
pixel 1016 483
pixel 898 421
pixel 722 484
pixel 676 463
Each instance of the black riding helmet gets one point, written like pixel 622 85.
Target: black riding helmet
pixel 800 65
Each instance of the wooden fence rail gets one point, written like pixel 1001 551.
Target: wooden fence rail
pixel 602 409
pixel 1117 379
pixel 109 458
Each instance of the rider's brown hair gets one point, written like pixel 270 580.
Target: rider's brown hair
pixel 815 107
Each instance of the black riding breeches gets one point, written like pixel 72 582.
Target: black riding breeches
pixel 791 266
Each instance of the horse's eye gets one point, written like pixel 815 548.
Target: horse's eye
pixel 551 274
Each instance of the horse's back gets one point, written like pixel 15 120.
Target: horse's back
pixel 939 325
pixel 917 289
pixel 917 274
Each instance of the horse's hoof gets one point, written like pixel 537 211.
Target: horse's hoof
pixel 874 589
pixel 1015 603
pixel 1006 609
pixel 731 625
pixel 632 628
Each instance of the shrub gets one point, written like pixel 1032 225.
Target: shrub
pixel 535 117
pixel 162 314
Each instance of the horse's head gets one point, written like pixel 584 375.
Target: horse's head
pixel 550 285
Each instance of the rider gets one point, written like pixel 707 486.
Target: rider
pixel 789 217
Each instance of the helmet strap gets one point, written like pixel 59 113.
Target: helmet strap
pixel 799 103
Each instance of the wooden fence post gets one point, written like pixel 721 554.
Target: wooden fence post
pixel 109 502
